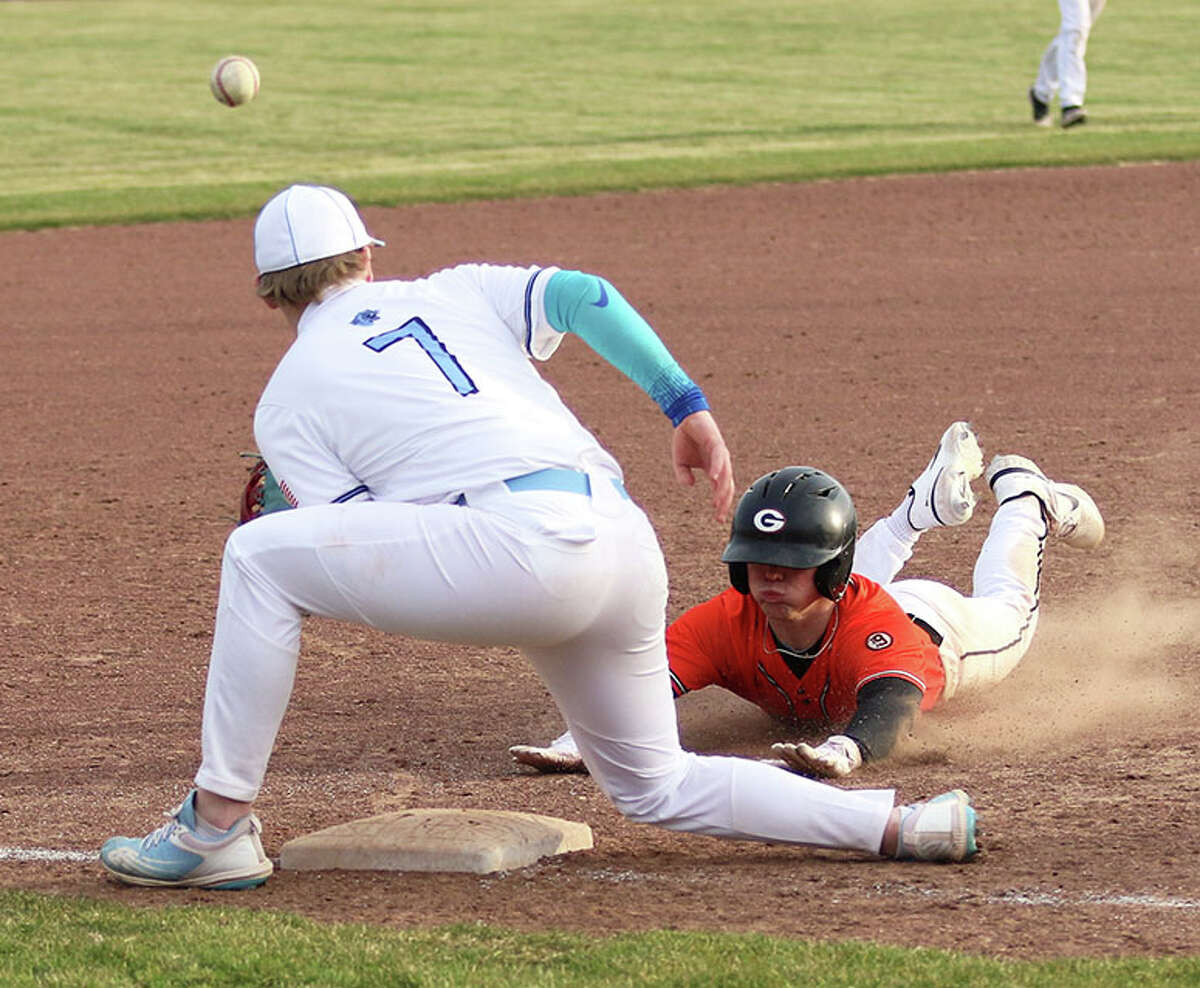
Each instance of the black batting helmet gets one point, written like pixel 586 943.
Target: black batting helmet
pixel 799 517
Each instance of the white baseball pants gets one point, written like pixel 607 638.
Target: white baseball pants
pixel 985 635
pixel 1063 69
pixel 577 582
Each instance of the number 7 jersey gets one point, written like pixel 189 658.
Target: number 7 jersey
pixel 418 390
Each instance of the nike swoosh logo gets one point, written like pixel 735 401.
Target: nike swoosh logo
pixel 603 297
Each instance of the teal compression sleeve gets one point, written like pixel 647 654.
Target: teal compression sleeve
pixel 592 309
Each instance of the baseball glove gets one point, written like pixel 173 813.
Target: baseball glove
pixel 262 493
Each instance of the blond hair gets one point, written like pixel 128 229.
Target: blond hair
pixel 306 283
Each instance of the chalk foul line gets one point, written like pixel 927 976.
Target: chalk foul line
pixel 1010 897
pixel 45 854
pixel 1037 897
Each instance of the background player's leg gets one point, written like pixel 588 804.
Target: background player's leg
pixel 1072 48
pixel 1045 86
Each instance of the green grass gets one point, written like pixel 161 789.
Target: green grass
pixel 46 940
pixel 105 114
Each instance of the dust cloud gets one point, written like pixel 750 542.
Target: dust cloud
pixel 1122 662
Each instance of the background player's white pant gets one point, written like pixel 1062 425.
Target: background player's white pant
pixel 577 583
pixel 985 635
pixel 1063 69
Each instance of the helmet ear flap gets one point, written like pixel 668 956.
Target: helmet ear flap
pixel 738 578
pixel 831 578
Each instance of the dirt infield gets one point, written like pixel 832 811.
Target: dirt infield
pixel 839 324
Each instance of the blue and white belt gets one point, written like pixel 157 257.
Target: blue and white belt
pixel 559 479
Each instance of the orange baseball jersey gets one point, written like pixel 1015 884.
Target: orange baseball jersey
pixel 727 642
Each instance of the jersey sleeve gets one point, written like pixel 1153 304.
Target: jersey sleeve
pixel 307 472
pixel 517 295
pixel 907 661
pixel 880 641
pixel 591 308
pixel 876 640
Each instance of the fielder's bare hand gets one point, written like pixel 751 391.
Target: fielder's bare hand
pixel 699 445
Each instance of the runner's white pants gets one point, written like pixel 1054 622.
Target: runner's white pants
pixel 1063 69
pixel 576 582
pixel 985 635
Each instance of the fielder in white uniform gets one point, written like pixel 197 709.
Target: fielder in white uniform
pixel 1063 69
pixel 445 492
pixel 979 639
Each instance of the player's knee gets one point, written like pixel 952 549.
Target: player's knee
pixel 240 545
pixel 1073 41
pixel 643 807
pixel 649 807
pixel 653 800
pixel 244 549
pixel 247 540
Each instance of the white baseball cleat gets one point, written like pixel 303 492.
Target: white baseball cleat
pixel 942 829
pixel 942 495
pixel 1070 513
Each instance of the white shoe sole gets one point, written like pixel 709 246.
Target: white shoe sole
pixel 942 497
pixel 228 880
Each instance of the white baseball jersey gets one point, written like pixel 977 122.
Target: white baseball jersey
pixel 396 419
pixel 416 391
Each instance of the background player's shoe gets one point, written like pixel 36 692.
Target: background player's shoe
pixel 1070 512
pixel 1072 116
pixel 1041 109
pixel 942 829
pixel 174 855
pixel 942 495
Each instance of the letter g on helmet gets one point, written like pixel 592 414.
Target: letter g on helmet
pixel 799 517
pixel 769 520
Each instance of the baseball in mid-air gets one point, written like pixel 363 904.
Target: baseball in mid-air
pixel 234 80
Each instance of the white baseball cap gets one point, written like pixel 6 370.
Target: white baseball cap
pixel 307 223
